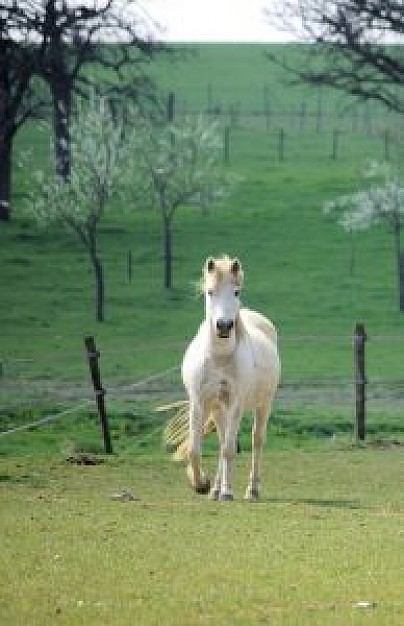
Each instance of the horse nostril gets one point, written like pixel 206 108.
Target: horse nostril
pixel 224 327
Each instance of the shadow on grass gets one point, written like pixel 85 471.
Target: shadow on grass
pixel 319 502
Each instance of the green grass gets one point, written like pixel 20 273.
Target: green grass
pixel 298 267
pixel 328 533
pixel 217 76
pixel 326 536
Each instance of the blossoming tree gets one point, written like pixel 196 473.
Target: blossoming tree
pixel 177 164
pixel 99 155
pixel 381 201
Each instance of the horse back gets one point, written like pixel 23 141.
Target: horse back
pixel 253 319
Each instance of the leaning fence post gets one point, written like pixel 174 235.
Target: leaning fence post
pixel 93 355
pixel 360 381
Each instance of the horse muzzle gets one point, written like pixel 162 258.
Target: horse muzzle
pixel 224 328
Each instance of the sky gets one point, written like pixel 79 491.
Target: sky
pixel 213 20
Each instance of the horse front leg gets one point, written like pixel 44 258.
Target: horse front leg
pixel 197 478
pixel 214 493
pixel 228 452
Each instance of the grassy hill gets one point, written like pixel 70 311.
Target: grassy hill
pixel 216 76
pixel 301 269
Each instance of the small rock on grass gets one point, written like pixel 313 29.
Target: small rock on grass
pixel 124 496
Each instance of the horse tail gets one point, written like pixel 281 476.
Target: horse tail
pixel 176 431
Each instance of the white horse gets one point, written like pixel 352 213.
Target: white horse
pixel 231 366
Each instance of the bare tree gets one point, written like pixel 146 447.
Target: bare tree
pixel 19 60
pixel 349 51
pixel 57 40
pixel 104 33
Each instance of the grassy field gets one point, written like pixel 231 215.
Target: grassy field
pixel 301 269
pixel 217 77
pixel 328 533
pixel 325 545
pixel 298 267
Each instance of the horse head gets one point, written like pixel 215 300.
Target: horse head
pixel 222 281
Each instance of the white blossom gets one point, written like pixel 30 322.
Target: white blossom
pixel 98 155
pixel 362 209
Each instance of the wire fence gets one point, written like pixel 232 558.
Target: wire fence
pixel 324 393
pixel 309 129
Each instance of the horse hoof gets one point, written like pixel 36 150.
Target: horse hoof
pixel 226 497
pixel 203 488
pixel 214 494
pixel 252 495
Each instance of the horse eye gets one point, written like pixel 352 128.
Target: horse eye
pixel 210 292
pixel 237 292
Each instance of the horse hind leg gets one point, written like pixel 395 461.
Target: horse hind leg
pixel 199 482
pixel 258 438
pixel 202 484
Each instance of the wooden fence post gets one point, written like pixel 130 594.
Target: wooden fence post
pixel 319 114
pixel 302 115
pixel 360 382
pixel 281 144
pixel 129 266
pixel 334 153
pixel 386 137
pixel 171 106
pixel 226 145
pixel 209 96
pixel 267 107
pixel 93 355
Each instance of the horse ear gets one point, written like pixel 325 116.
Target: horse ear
pixel 235 267
pixel 210 264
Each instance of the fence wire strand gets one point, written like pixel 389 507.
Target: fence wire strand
pixel 146 387
pixel 44 420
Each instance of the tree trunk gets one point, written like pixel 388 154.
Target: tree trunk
pixel 99 281
pixel 5 177
pixel 399 264
pixel 100 290
pixel 61 95
pixel 401 281
pixel 167 252
pixel 6 142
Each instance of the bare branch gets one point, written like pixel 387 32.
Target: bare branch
pixel 352 46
